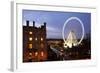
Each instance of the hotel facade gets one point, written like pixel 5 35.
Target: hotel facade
pixel 34 43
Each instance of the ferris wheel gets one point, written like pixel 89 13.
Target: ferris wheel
pixel 71 39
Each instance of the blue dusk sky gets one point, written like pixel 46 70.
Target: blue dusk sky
pixel 55 21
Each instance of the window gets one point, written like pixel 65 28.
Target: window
pixel 42 46
pixel 30 32
pixel 42 53
pixel 41 39
pixel 30 54
pixel 36 38
pixel 30 38
pixel 36 53
pixel 30 46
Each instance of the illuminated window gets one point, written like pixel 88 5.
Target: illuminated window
pixel 29 57
pixel 42 45
pixel 36 38
pixel 30 32
pixel 30 54
pixel 42 53
pixel 30 38
pixel 36 53
pixel 30 46
pixel 41 39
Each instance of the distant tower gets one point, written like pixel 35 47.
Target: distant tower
pixel 71 40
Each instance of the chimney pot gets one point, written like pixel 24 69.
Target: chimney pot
pixel 33 23
pixel 27 23
pixel 45 24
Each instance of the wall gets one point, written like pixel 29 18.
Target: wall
pixel 5 35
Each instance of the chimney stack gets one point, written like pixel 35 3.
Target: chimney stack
pixel 27 22
pixel 45 24
pixel 33 23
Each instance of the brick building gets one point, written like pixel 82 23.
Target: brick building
pixel 34 43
